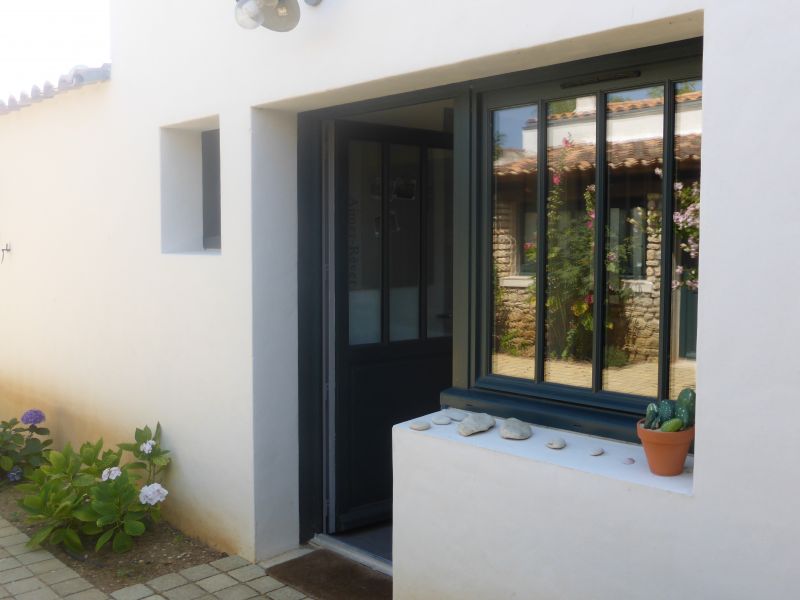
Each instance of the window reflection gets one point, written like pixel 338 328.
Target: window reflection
pixel 569 292
pixel 514 192
pixel 686 232
pixel 635 145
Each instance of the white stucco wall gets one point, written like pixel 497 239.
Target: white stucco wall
pixel 105 332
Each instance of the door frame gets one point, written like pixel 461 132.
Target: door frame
pixel 316 365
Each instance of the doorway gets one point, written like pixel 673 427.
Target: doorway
pixel 390 315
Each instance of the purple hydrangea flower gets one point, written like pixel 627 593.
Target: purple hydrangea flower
pixel 32 417
pixel 15 474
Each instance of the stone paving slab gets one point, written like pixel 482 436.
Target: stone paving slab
pixel 35 574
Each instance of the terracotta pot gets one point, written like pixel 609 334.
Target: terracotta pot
pixel 666 452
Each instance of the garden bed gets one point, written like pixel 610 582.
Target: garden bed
pixel 161 550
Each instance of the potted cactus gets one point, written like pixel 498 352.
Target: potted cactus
pixel 667 432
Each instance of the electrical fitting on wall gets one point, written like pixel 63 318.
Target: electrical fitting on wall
pixel 6 249
pixel 277 15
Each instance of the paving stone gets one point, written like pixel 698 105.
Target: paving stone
pixel 286 593
pixel 247 573
pixel 185 592
pixel 18 549
pixel 4 553
pixel 24 585
pixel 4 523
pixel 6 530
pixel 217 582
pixel 265 584
pixel 71 586
pixel 229 563
pixel 3 592
pixel 237 592
pixel 285 557
pixel 34 557
pixel 91 594
pixel 199 572
pixel 44 566
pixel 40 594
pixel 9 563
pixel 13 540
pixel 167 582
pixel 62 574
pixel 15 574
pixel 132 592
pixel 155 597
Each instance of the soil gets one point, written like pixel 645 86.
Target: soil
pixel 161 550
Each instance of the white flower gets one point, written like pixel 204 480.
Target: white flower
pixel 152 494
pixel 111 473
pixel 147 447
pixel 659 172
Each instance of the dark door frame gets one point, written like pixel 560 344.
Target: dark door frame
pixel 312 272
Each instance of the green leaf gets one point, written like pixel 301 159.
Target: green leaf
pixel 33 502
pixel 57 460
pixel 122 542
pixel 128 447
pixel 103 540
pixel 105 508
pixel 139 435
pixel 161 461
pixel 85 514
pixel 133 527
pixel 57 536
pixel 40 536
pixel 6 463
pixel 106 520
pixel 72 540
pixel 91 529
pixel 83 480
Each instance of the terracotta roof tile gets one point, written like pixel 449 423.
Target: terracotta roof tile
pixel 77 77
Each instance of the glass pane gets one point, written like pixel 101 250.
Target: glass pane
pixel 404 237
pixel 686 231
pixel 571 159
pixel 635 135
pixel 439 197
pixel 364 241
pixel 514 198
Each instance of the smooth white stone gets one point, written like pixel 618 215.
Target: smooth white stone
pixel 475 423
pixel 420 425
pixel 455 414
pixel 628 461
pixel 556 444
pixel 441 420
pixel 514 429
pixel 597 451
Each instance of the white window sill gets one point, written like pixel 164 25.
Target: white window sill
pixel 574 456
pixel 516 281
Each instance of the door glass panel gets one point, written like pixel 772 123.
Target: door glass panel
pixel 439 196
pixel 686 231
pixel 569 289
pixel 403 225
pixel 514 200
pixel 364 241
pixel 635 145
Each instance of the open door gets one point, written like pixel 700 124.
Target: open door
pixel 393 270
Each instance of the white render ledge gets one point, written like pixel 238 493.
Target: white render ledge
pixel 576 455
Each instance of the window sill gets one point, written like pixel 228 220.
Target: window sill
pixel 516 281
pixel 574 456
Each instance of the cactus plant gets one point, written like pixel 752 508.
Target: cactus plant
pixel 669 415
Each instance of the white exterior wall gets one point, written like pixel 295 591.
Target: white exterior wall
pixel 104 332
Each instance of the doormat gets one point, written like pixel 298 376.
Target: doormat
pixel 327 576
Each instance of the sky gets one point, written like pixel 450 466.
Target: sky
pixel 42 39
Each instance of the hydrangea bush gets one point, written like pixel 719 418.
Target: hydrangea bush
pixel 21 445
pixel 93 494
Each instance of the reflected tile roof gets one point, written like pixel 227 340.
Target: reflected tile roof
pixel 78 77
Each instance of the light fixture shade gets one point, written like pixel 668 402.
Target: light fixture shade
pixel 249 13
pixel 283 17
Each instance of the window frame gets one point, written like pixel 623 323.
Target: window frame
pixel 590 410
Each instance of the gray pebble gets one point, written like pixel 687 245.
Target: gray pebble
pixel 441 420
pixel 420 425
pixel 556 444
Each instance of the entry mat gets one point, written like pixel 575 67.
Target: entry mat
pixel 327 576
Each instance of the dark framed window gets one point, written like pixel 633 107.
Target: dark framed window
pixel 209 141
pixel 587 189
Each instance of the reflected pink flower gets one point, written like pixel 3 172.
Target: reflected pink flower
pixel 556 179
pixel 589 298
pixel 529 245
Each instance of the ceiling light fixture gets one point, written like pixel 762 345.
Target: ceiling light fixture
pixel 277 15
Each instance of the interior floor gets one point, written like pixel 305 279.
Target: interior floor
pixel 375 539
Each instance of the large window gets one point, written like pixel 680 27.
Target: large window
pixel 592 260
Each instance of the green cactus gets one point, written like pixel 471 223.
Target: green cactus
pixel 687 400
pixel 683 414
pixel 666 410
pixel 651 416
pixel 672 425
